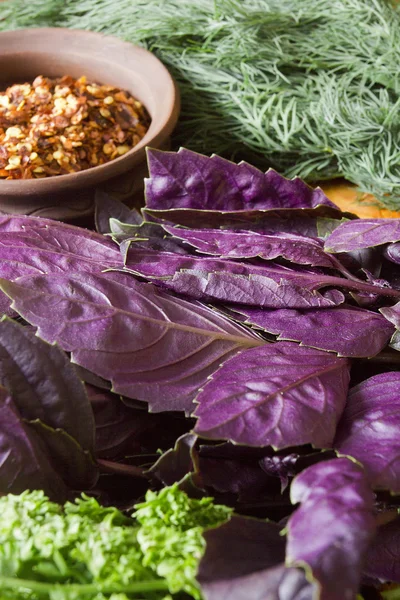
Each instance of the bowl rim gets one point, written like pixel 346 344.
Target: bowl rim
pixel 117 166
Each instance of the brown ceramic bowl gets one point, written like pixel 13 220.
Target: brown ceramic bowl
pixel 54 52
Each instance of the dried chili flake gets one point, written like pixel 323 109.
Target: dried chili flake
pixel 65 125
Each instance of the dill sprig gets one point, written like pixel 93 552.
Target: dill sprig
pixel 310 87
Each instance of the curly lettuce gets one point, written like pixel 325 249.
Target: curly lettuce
pixel 82 549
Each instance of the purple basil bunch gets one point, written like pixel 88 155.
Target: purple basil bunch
pixel 248 329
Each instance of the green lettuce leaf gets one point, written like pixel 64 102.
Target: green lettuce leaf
pixel 82 549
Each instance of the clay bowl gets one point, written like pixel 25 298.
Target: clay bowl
pixel 54 52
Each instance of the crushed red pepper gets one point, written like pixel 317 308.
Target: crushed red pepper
pixel 65 125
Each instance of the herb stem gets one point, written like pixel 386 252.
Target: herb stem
pixel 82 589
pixel 109 466
pixel 344 271
pixel 358 285
pixel 385 357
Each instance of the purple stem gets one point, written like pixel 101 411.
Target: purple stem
pixel 357 285
pixel 108 466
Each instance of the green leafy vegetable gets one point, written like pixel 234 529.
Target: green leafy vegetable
pixel 171 535
pixel 391 594
pixel 83 549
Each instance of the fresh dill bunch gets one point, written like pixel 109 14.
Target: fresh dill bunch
pixel 36 13
pixel 309 87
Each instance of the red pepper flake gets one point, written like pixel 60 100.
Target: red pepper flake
pixel 65 125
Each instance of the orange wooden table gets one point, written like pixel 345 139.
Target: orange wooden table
pixel 348 198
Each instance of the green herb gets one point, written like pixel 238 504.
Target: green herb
pixel 171 538
pixel 84 549
pixel 393 594
pixel 310 87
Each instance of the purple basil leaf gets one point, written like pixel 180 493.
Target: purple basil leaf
pixel 383 555
pixel 395 341
pixel 151 345
pixel 41 246
pixel 58 248
pixel 228 451
pixel 43 384
pixel 92 379
pixel 47 234
pixel 176 463
pixel 268 223
pixel 368 260
pixel 238 245
pixel 392 314
pixel 346 330
pixel 150 264
pixel 240 547
pixel 368 430
pixel 107 207
pixel 243 561
pixel 278 395
pixel 13 223
pixel 122 230
pixel 330 532
pixel 226 468
pixel 292 222
pixel 206 278
pixel 392 253
pixel 18 260
pixel 75 465
pixel 120 430
pixel 280 466
pixel 24 223
pixel 124 246
pixel 147 236
pixel 254 290
pixel 276 583
pixel 24 462
pixel 300 221
pixel 363 233
pixel 371 299
pixel 210 279
pixel 48 394
pixel 189 180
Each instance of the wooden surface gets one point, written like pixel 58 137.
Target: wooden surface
pixel 348 198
